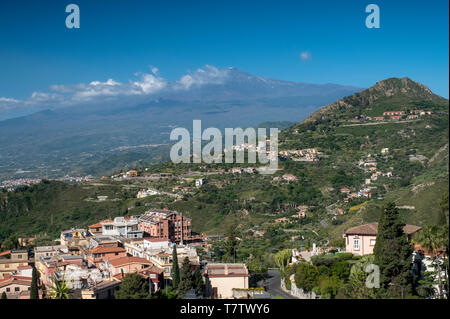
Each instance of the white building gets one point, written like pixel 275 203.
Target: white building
pixel 145 193
pixel 199 182
pixel 122 227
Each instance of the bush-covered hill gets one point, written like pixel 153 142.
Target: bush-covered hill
pixel 417 160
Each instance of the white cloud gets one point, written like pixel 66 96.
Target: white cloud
pixel 8 100
pixel 97 91
pixel 150 84
pixel 208 75
pixel 147 84
pixel 154 69
pixel 305 56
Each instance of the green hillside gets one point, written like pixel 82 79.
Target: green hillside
pixel 413 173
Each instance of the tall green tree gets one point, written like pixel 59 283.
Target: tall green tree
pixel 306 276
pixel 185 277
pixel 356 287
pixel 230 245
pixel 175 268
pixel 282 259
pixel 34 292
pixel 329 286
pixel 198 282
pixel 393 254
pixel 12 242
pixel 443 216
pixel 4 296
pixel 133 286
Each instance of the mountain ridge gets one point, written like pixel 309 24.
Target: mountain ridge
pixel 381 89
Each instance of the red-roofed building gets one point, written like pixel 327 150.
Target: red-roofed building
pixel 15 287
pixel 125 265
pixel 11 259
pixel 221 279
pixel 96 229
pixel 156 276
pixel 101 254
pixel 360 240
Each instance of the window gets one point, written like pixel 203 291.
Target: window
pixel 372 242
pixel 356 243
pixel 17 289
pixel 8 289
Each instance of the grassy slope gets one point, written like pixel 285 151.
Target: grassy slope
pixel 55 206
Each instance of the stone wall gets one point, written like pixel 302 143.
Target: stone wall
pixel 297 292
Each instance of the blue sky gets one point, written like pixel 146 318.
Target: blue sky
pixel 119 38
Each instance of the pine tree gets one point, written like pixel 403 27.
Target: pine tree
pixel 230 245
pixel 442 217
pixel 175 269
pixel 393 254
pixel 34 292
pixel 133 286
pixel 4 296
pixel 198 282
pixel 185 277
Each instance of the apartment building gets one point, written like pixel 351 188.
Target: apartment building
pixel 11 260
pixel 127 227
pixel 166 224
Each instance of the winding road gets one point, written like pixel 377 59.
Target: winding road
pixel 273 284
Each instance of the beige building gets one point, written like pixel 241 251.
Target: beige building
pixel 50 251
pixel 360 240
pixel 15 287
pixel 11 260
pixel 221 279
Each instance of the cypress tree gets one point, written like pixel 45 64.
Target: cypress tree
pixel 393 254
pixel 34 293
pixel 175 268
pixel 198 282
pixel 4 295
pixel 185 277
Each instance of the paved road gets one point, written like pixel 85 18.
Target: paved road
pixel 273 283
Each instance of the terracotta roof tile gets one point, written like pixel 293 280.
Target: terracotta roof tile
pixel 128 260
pixel 372 228
pixel 106 250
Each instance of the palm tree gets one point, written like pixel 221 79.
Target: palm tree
pixel 60 290
pixel 431 239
